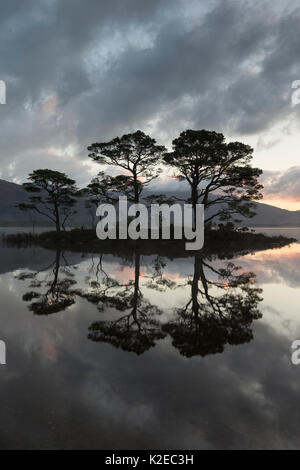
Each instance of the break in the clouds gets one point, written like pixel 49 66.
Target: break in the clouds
pixel 79 72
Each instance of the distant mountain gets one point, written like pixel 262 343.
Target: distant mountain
pixel 266 215
pixel 12 194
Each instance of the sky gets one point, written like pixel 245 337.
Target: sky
pixel 80 72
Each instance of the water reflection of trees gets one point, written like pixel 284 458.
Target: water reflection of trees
pixel 222 305
pixel 136 330
pixel 57 283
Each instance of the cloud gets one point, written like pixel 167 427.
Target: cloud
pixel 282 185
pixel 79 72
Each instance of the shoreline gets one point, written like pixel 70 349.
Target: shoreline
pixel 217 242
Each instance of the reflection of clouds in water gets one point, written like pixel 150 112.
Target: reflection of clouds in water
pixel 85 394
pixel 132 402
pixel 281 309
pixel 278 272
pixel 275 266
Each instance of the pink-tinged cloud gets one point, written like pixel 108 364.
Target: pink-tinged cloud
pixel 49 106
pixel 282 185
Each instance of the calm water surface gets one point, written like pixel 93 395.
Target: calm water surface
pixel 147 352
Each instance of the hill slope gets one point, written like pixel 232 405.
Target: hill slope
pixel 11 194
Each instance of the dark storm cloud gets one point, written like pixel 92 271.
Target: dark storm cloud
pixel 83 71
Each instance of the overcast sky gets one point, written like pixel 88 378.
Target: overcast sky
pixel 84 71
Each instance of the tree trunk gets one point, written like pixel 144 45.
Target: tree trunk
pixel 195 286
pixel 56 269
pixel 57 219
pixel 136 292
pixel 194 197
pixel 136 189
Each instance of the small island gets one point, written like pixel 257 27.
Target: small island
pixel 218 175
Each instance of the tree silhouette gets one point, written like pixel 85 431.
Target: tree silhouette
pixel 138 329
pixel 210 320
pixel 137 155
pixel 54 196
pixel 157 281
pixel 99 190
pixel 57 296
pixel 219 174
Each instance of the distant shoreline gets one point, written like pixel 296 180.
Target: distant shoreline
pixel 276 227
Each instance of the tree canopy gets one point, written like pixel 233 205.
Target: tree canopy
pixel 137 154
pixel 219 174
pixel 54 196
